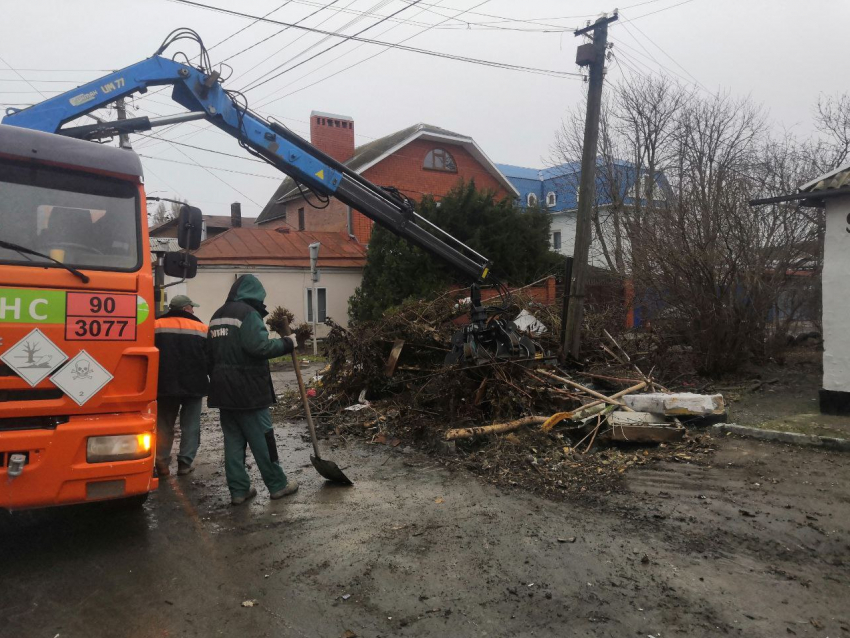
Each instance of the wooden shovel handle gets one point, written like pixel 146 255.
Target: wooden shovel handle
pixel 303 391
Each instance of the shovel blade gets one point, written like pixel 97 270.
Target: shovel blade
pixel 330 471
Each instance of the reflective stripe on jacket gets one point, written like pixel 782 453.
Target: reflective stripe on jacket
pixel 239 348
pixel 181 339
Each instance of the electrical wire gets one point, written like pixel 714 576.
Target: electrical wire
pixel 645 15
pixel 267 102
pixel 313 57
pixel 653 43
pixel 208 168
pixel 233 35
pixel 18 73
pixel 491 63
pixel 337 11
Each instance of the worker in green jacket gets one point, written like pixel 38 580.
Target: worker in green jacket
pixel 238 348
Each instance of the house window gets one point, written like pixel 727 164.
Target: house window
pixel 556 240
pixel 321 296
pixel 551 199
pixel 440 159
pixel 532 199
pixel 300 219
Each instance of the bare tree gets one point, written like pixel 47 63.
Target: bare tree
pixel 832 120
pixel 160 215
pixel 714 268
pixel 636 148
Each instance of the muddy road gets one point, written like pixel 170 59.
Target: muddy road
pixel 755 544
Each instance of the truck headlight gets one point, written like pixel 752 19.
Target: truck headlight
pixel 123 447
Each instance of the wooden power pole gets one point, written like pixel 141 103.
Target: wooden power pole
pixel 591 55
pixel 121 110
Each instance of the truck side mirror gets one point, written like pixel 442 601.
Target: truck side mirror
pixel 189 227
pixel 181 265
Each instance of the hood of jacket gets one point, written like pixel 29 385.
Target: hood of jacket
pixel 249 290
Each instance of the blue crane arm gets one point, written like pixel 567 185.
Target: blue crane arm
pixel 291 154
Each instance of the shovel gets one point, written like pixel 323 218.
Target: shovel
pixel 327 469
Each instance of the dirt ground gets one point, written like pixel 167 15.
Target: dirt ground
pixel 787 400
pixel 752 542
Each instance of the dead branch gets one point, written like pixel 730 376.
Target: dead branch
pixel 497 428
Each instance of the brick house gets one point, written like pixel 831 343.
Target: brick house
pixel 213 224
pixel 418 160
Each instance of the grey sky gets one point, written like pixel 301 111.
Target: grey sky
pixel 782 53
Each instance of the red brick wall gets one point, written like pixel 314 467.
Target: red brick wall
pixel 403 169
pixel 334 136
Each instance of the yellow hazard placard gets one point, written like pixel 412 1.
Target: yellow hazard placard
pixel 321 174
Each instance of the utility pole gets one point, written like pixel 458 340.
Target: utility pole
pixel 315 275
pixel 591 55
pixel 123 138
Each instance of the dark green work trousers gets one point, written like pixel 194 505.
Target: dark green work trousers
pixel 254 428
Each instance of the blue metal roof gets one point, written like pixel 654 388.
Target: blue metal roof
pixel 563 181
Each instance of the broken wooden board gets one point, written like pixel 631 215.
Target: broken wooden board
pixel 647 433
pixel 392 361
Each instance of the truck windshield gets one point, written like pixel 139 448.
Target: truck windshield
pixel 80 219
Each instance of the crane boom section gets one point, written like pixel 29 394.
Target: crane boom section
pixel 203 93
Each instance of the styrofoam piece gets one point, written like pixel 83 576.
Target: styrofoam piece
pixel 634 418
pixel 677 404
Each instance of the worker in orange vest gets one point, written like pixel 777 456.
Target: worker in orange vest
pixel 183 383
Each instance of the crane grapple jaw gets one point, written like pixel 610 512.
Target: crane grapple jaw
pixel 490 337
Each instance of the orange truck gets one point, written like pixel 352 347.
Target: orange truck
pixel 78 366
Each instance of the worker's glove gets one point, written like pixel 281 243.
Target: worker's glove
pixel 293 340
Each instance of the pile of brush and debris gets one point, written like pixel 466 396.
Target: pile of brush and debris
pixel 518 422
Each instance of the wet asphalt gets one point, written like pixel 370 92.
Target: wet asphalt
pixel 416 550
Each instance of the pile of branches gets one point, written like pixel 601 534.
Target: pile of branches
pixel 396 365
pixel 513 422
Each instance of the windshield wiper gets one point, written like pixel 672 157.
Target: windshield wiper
pixel 29 251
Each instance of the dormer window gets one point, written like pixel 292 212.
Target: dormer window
pixel 439 159
pixel 551 199
pixel 532 199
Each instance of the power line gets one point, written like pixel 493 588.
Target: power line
pixel 207 150
pixel 273 35
pixel 232 35
pixel 266 103
pixel 664 52
pixel 209 168
pixel 438 54
pixel 421 10
pixel 337 11
pixel 267 80
pixel 658 11
pixel 18 73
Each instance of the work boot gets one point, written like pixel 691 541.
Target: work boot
pixel 162 468
pixel 291 488
pixel 184 468
pixel 238 500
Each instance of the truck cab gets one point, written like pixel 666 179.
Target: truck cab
pixel 77 358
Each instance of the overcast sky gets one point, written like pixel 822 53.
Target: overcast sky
pixel 782 53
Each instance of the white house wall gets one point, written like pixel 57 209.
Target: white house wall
pixel 836 296
pixel 284 287
pixel 565 223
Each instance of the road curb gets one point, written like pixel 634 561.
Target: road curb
pixel 826 442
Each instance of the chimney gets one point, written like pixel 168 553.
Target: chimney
pixel 332 134
pixel 236 215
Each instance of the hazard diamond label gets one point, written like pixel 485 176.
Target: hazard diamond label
pixel 81 378
pixel 34 357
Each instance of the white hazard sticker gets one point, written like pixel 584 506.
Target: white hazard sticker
pixel 34 357
pixel 81 378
